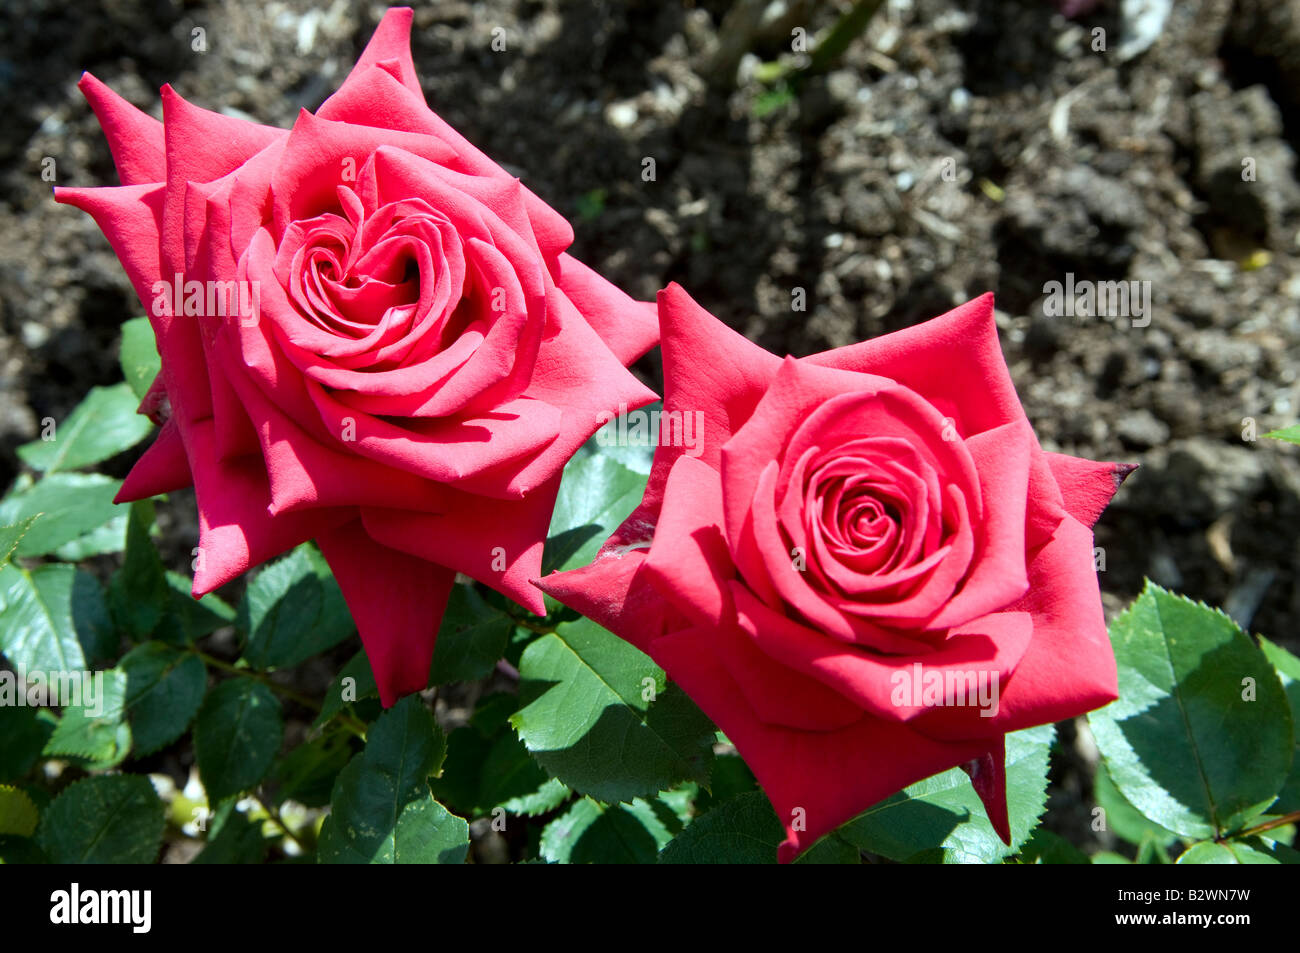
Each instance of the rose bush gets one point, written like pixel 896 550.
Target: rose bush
pixel 371 335
pixel 871 573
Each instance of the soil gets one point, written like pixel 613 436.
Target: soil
pixel 956 147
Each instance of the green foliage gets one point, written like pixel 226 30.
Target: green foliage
pixel 945 812
pixel 138 593
pixel 46 614
pixel 232 839
pixel 382 809
pixel 236 736
pixel 102 425
pixel 598 715
pixel 292 610
pixel 599 491
pixel 25 731
pixel 95 730
pixel 589 205
pixel 1289 434
pixel 1288 670
pixel 18 815
pixel 355 682
pixel 1200 740
pixel 472 637
pixel 111 819
pixel 1045 847
pixel 594 833
pixel 164 689
pixel 72 506
pixel 139 356
pixel 1250 850
pixel 742 830
pixel 1128 823
pixel 11 536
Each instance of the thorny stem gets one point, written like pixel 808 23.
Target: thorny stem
pixel 354 725
pixel 274 815
pixel 288 693
pixel 1279 821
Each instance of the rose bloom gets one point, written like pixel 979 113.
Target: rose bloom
pixel 871 573
pixel 371 336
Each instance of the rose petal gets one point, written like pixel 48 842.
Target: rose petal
pixel 1087 487
pixel 162 468
pixel 135 138
pixel 397 602
pixel 688 561
pixel 816 780
pixel 628 328
pixel 498 542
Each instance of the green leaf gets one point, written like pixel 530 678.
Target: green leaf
pixel 164 689
pixel 103 425
pixel 1123 819
pixel 381 809
pixel 594 833
pixel 110 819
pixel 139 356
pixel 38 625
pixel 729 777
pixel 586 714
pixel 73 504
pixel 944 811
pixel 831 849
pixel 473 636
pixel 508 772
pixel 307 774
pixel 1290 434
pixel 1109 857
pixel 237 840
pixel 108 538
pixel 291 611
pixel 1250 850
pixel 742 830
pixel 92 619
pixel 11 536
pixel 24 730
pixel 458 786
pixel 18 815
pixel 195 618
pixel 1288 670
pixel 236 736
pixel 94 729
pixel 355 681
pixel 545 799
pixel 1046 847
pixel 597 492
pixel 1183 743
pixel 20 850
pixel 138 592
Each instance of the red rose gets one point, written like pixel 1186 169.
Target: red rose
pixel 871 573
pixel 371 335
